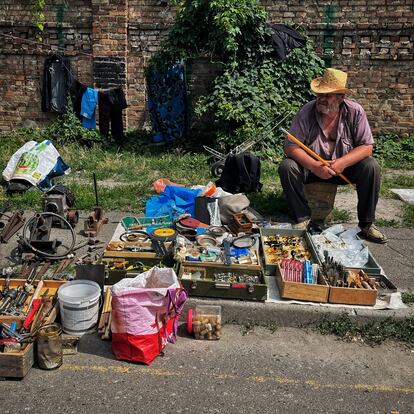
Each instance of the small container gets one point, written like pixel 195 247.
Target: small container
pixel 206 322
pixel 49 346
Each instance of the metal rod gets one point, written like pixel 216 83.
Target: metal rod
pixel 312 153
pixel 96 189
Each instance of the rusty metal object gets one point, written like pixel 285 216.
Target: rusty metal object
pixel 14 223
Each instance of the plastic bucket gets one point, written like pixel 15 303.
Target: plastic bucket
pixel 79 306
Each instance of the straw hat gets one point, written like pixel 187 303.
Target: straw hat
pixel 332 81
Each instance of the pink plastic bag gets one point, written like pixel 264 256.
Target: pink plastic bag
pixel 145 314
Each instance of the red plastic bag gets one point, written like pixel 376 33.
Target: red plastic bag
pixel 145 314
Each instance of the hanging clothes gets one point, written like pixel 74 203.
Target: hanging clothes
pixel 111 104
pixel 57 79
pixel 88 106
pixel 167 103
pixel 283 39
pixel 76 91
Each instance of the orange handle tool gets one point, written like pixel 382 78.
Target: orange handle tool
pixel 312 153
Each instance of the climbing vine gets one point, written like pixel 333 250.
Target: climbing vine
pixel 38 19
pixel 253 90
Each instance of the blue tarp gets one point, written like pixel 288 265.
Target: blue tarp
pixel 173 200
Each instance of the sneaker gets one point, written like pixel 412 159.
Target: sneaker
pixel 373 234
pixel 303 225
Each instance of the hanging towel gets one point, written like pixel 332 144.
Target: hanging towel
pixel 88 105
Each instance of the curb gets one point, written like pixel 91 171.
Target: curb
pixel 290 315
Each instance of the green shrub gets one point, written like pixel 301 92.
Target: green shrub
pixel 253 91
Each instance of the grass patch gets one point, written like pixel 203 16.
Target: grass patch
pixel 387 223
pixel 399 181
pixel 372 333
pixel 340 215
pixel 407 297
pixel 408 215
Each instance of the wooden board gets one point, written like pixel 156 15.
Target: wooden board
pixel 352 296
pixel 302 291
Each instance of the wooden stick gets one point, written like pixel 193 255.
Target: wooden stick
pixel 313 154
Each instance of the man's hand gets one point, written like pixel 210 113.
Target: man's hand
pixel 323 171
pixel 338 165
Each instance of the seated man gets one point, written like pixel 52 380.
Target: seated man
pixel 337 129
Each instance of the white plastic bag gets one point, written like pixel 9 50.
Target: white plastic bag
pixel 36 164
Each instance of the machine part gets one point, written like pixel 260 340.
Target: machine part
pixel 27 289
pixel 189 234
pixel 28 243
pixel 8 299
pixel 159 247
pixel 227 251
pixel 96 219
pixel 14 224
pixel 60 200
pixel 163 234
pixel 217 169
pixel 206 241
pixel 134 236
pixel 244 242
pixel 72 217
pixel 216 231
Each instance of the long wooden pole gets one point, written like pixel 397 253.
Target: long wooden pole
pixel 312 153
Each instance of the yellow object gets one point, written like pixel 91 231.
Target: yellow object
pixel 313 154
pixel 164 232
pixel 332 81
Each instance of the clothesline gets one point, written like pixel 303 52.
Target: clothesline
pixel 54 49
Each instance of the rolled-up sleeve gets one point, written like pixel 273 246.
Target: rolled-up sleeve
pixel 362 130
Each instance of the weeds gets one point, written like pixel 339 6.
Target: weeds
pixel 408 215
pixel 372 333
pixel 341 216
pixel 249 326
pixel 407 297
pixel 387 223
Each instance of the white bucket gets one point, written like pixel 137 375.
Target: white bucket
pixel 79 306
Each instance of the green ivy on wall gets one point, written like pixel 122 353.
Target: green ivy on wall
pixel 252 90
pixel 38 18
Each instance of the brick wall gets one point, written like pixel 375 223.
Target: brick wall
pixel 111 41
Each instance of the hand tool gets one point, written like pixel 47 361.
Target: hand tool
pixel 32 313
pixel 313 154
pixel 96 219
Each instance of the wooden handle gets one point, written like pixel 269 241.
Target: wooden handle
pixel 313 154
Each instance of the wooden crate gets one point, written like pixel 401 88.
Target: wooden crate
pixel 16 364
pixel 352 296
pixel 302 291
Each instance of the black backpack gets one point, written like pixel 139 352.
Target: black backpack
pixel 241 174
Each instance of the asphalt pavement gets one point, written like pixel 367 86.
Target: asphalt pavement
pixel 286 371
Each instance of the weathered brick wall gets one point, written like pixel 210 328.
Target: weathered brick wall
pixel 111 41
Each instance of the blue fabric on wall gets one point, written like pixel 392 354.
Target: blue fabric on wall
pixel 88 106
pixel 167 103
